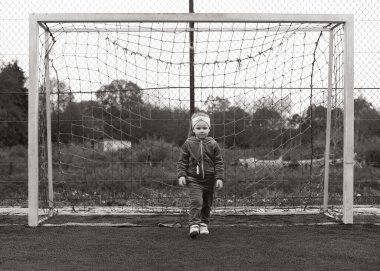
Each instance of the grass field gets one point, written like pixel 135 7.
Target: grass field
pixel 332 247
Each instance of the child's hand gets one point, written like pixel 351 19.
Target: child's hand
pixel 219 184
pixel 182 181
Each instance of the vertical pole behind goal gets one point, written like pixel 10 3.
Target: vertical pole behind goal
pixel 191 57
pixel 328 124
pixel 33 124
pixel 348 144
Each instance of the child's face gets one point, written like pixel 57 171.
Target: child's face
pixel 201 130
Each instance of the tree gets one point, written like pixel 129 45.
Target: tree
pixel 61 95
pixel 266 119
pixel 315 122
pixel 367 119
pixel 64 108
pixel 13 106
pixel 217 105
pixel 294 122
pixel 71 124
pixel 231 127
pixel 166 124
pixel 120 94
pixel 122 109
pixel 281 105
pixel 266 124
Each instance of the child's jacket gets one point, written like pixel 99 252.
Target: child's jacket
pixel 201 159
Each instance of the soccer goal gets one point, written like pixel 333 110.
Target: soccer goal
pixel 111 95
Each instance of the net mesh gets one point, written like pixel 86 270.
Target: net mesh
pixel 120 102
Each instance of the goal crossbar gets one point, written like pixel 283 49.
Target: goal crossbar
pixel 191 17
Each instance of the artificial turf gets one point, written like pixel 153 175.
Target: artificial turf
pixel 328 247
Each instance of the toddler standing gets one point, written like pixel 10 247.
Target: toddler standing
pixel 201 168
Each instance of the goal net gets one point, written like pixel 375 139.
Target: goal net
pixel 114 100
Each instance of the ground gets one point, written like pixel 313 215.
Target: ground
pixel 318 247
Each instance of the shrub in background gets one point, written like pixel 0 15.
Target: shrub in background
pixel 369 151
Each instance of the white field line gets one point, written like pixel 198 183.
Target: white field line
pixel 122 210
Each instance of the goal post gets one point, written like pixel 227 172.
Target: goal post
pixel 269 63
pixel 348 178
pixel 32 122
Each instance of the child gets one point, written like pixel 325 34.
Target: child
pixel 200 166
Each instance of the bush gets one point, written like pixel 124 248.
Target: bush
pixel 18 151
pixel 153 151
pixel 373 157
pixel 370 151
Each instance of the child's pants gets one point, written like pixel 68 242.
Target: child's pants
pixel 201 198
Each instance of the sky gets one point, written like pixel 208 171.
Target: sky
pixel 14 24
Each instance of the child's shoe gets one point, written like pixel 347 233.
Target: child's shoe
pixel 194 231
pixel 203 229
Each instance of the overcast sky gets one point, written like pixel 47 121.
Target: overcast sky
pixel 14 23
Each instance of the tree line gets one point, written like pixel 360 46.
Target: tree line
pixel 119 111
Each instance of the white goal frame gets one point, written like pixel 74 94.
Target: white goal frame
pixel 36 21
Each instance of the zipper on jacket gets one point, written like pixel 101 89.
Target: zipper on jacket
pixel 203 171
